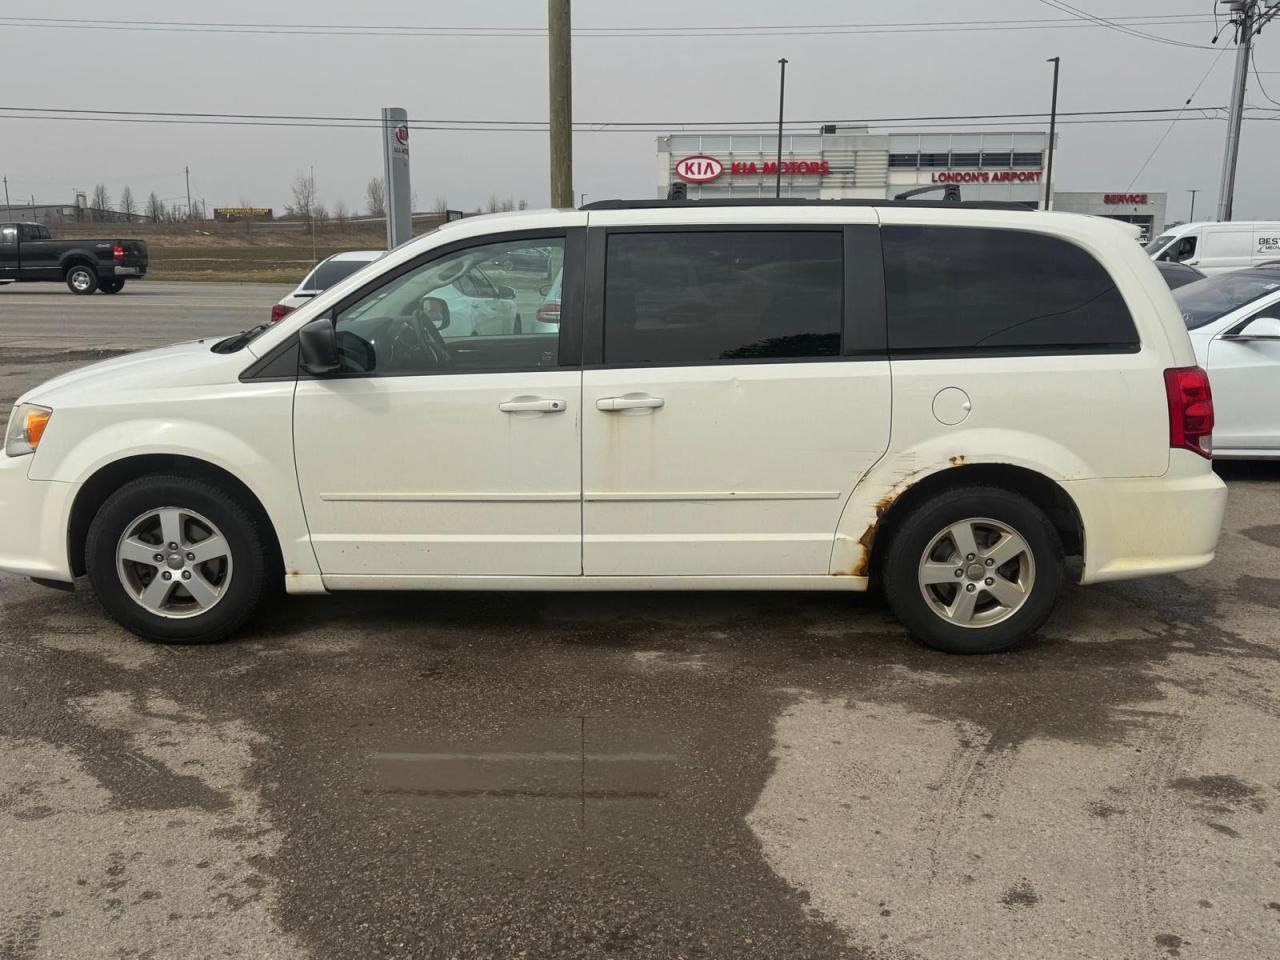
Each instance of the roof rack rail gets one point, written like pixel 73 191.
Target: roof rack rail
pixel 801 202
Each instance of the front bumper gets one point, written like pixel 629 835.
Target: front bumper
pixel 1146 526
pixel 34 518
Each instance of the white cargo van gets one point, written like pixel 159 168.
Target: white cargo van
pixel 1218 247
pixel 944 398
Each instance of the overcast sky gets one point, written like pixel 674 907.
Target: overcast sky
pixel 831 76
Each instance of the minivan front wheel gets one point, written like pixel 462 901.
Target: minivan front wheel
pixel 176 559
pixel 975 571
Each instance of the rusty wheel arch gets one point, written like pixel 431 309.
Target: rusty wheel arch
pixel 896 505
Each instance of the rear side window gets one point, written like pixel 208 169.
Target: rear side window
pixel 966 291
pixel 707 296
pixel 332 272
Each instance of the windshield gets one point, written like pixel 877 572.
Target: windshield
pixel 1158 244
pixel 1207 300
pixel 329 273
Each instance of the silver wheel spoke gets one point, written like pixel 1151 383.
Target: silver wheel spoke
pixel 136 551
pixel 933 572
pixel 962 534
pixel 156 594
pixel 212 548
pixel 1009 546
pixel 171 525
pixel 1007 592
pixel 961 609
pixel 202 591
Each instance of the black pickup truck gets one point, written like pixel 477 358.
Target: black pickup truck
pixel 28 254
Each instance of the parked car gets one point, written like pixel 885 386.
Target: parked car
pixel 531 260
pixel 1178 274
pixel 1217 247
pixel 943 398
pixel 323 276
pixel 28 254
pixel 1234 321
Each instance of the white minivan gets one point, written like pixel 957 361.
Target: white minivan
pixel 943 399
pixel 1214 247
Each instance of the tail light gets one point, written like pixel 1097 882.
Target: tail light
pixel 279 312
pixel 1190 410
pixel 117 253
pixel 549 312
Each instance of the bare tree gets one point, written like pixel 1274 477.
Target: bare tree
pixel 320 214
pixel 304 197
pixel 155 208
pixel 127 205
pixel 522 205
pixel 441 205
pixel 375 197
pixel 100 204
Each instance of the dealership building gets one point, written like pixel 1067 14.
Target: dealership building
pixel 850 162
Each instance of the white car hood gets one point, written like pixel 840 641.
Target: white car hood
pixel 190 363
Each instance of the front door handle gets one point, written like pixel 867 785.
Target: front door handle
pixel 532 405
pixel 629 403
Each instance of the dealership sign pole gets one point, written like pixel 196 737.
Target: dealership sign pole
pixel 395 165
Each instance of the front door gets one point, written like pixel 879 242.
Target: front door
pixel 440 450
pixel 1245 378
pixel 733 406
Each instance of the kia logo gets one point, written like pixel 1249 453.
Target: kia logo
pixel 699 169
pixel 402 134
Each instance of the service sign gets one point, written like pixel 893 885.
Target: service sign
pixel 699 169
pixel 1137 199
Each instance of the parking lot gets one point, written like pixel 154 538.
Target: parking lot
pixel 651 775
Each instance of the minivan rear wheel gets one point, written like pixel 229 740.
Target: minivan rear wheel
pixel 177 560
pixel 974 571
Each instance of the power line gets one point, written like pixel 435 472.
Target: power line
pixel 667 32
pixel 1118 26
pixel 1169 129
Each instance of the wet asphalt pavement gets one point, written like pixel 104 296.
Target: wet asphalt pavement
pixel 655 775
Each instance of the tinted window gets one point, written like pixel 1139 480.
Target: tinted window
pixel 8 236
pixel 331 272
pixel 965 290
pixel 1206 300
pixel 701 297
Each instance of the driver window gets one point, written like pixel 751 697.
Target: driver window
pixel 486 308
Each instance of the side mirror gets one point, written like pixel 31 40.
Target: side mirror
pixel 507 293
pixel 318 347
pixel 436 311
pixel 1259 328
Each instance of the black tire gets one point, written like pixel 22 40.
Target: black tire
pixel 114 285
pixel 902 572
pixel 249 544
pixel 81 279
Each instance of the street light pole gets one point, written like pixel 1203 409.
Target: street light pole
pixel 1191 217
pixel 1053 124
pixel 782 90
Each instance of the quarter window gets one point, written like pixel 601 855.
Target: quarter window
pixel 965 290
pixel 707 297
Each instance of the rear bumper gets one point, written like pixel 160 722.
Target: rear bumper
pixel 129 271
pixel 33 522
pixel 1141 527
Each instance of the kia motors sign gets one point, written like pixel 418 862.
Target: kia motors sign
pixel 699 169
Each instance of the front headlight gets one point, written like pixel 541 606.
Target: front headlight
pixel 27 424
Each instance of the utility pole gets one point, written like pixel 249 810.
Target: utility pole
pixel 1053 132
pixel 782 91
pixel 7 211
pixel 1191 217
pixel 1248 19
pixel 312 214
pixel 187 171
pixel 560 68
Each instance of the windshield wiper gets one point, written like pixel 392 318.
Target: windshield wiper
pixel 237 341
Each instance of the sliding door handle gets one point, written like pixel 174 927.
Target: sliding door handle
pixel 532 405
pixel 629 403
